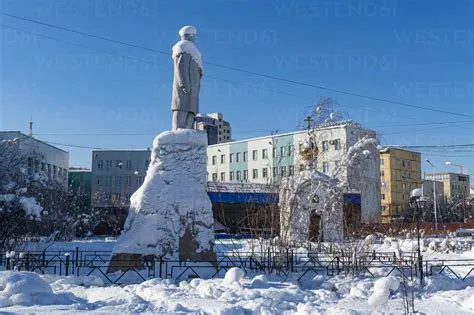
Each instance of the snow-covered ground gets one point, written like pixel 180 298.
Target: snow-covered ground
pixel 236 293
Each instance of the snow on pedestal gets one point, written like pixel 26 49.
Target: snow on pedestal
pixel 170 215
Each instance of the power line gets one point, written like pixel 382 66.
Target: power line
pixel 72 145
pixel 218 78
pixel 263 75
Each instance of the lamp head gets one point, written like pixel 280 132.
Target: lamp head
pixel 447 163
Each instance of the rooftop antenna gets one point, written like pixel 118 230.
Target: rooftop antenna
pixel 31 127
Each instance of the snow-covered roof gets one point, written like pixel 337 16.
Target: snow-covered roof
pixel 19 134
pixel 386 149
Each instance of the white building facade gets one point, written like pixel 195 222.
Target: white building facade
pixel 267 159
pixel 52 161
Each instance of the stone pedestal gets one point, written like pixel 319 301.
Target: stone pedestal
pixel 170 215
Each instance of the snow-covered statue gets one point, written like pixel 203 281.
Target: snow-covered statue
pixel 170 215
pixel 188 72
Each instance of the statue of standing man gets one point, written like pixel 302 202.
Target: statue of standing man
pixel 188 72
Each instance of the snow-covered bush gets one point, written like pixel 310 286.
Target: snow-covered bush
pixel 382 288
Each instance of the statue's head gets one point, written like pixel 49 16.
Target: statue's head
pixel 188 33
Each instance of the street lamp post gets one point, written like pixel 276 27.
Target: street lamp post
pixel 434 199
pixel 448 163
pixel 417 204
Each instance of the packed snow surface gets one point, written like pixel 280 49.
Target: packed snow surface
pixel 30 293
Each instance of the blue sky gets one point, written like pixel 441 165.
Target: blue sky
pixel 418 52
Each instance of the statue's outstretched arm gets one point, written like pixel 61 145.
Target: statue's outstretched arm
pixel 183 73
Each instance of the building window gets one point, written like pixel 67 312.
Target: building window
pixel 222 158
pixel 214 177
pixel 231 158
pixel 99 180
pixel 129 180
pixel 264 154
pixel 264 172
pixel 246 175
pixel 291 170
pixel 244 156
pixel 237 175
pixel 107 196
pixel 403 163
pixel 214 160
pixel 290 150
pixel 275 171
pixel 108 164
pixel 100 164
pixel 381 161
pixel 274 152
pixel 118 181
pixel 118 163
pixel 282 151
pixel 108 180
pixel 325 146
pixel 222 176
pixel 337 144
pixel 231 176
pixel 255 173
pixel 382 173
pixel 325 167
pixel 283 171
pixel 383 196
pixel 43 166
pixel 254 155
pixel 139 179
pixel 237 157
pixel 128 164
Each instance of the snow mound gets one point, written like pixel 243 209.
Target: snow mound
pixel 382 288
pixel 27 288
pixel 259 282
pixel 234 275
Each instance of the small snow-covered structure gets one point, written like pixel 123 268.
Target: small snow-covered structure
pixel 170 215
pixel 302 196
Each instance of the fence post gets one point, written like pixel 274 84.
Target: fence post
pixel 27 263
pixel 161 264
pixel 67 264
pixel 337 265
pixel 77 256
pixel 292 261
pixel 8 263
pixel 269 260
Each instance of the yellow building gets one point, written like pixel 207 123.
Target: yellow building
pixel 400 173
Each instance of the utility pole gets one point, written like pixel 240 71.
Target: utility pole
pixel 308 120
pixel 31 127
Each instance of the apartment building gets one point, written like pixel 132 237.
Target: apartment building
pixel 455 185
pixel 267 159
pixel 116 175
pixel 51 160
pixel 218 130
pixel 400 173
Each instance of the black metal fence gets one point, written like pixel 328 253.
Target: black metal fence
pixel 286 263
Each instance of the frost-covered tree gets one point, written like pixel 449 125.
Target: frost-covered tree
pixel 31 202
pixel 19 210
